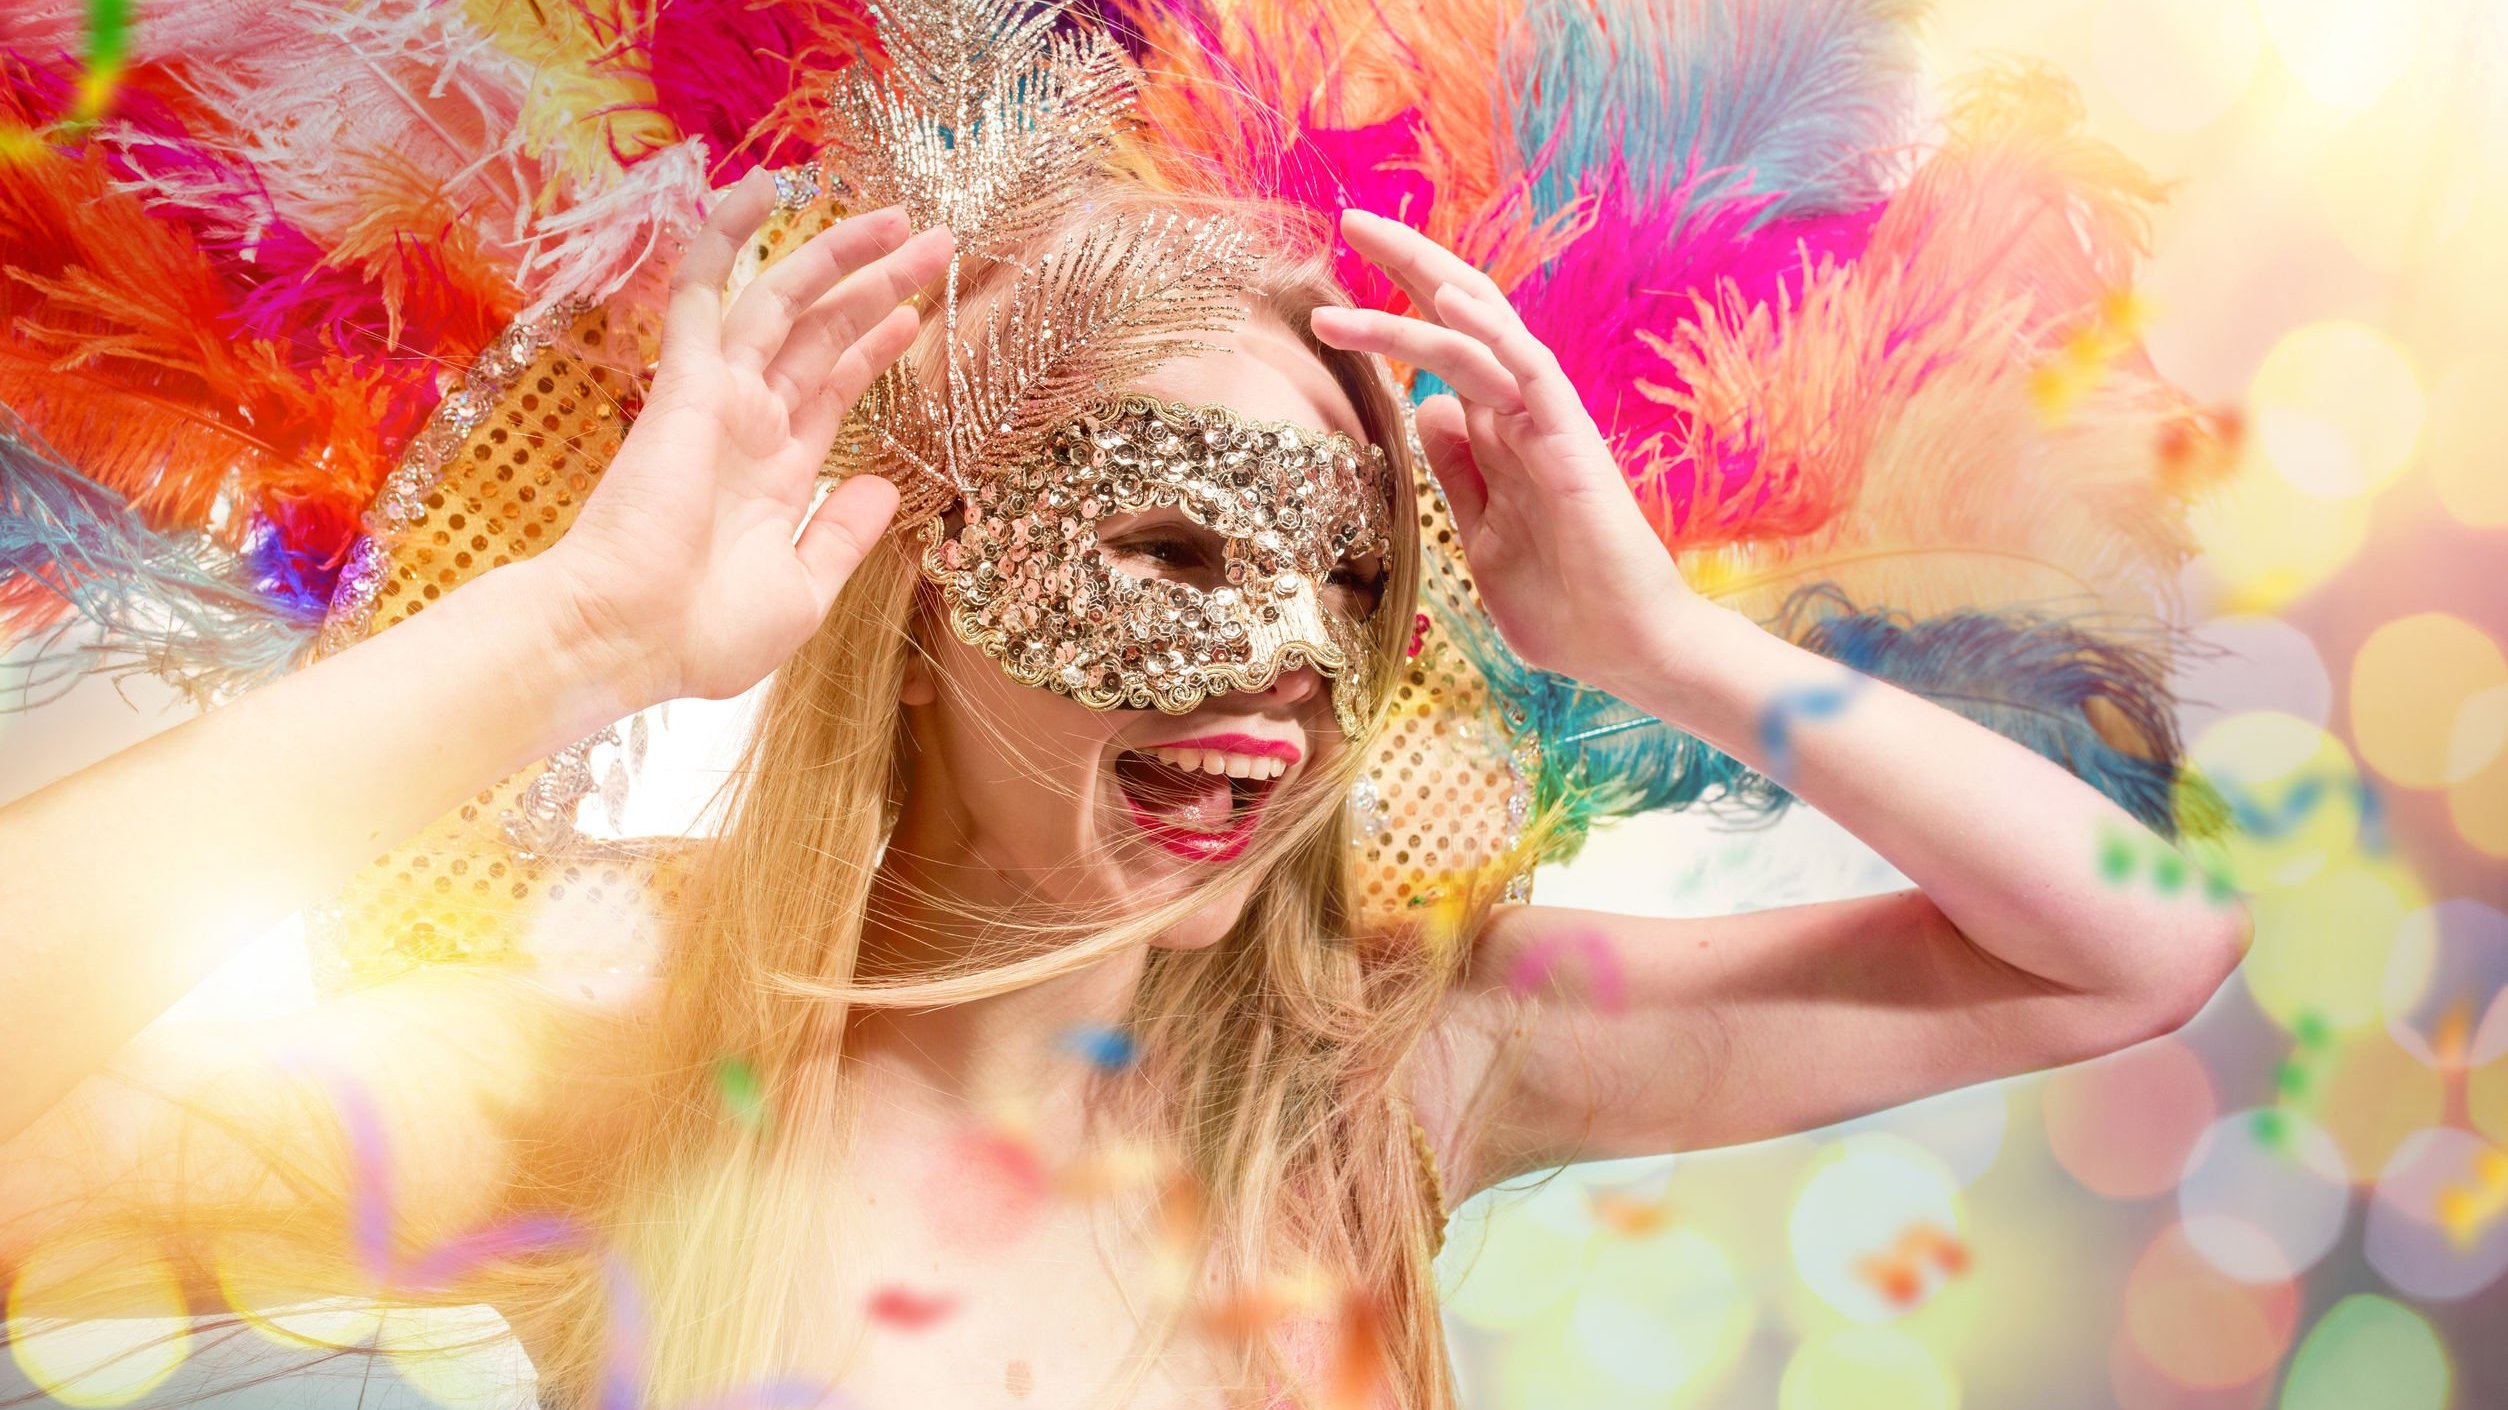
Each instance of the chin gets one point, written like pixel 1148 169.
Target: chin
pixel 1143 878
pixel 1207 926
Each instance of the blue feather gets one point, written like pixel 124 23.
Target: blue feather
pixel 2029 677
pixel 1600 757
pixel 177 605
pixel 1801 99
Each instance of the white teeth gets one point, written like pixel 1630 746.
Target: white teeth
pixel 1213 761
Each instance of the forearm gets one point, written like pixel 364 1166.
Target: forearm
pixel 2005 842
pixel 127 882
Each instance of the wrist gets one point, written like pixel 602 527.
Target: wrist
pixel 602 672
pixel 1673 668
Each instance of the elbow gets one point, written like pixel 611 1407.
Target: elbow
pixel 2208 956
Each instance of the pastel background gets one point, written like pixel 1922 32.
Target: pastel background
pixel 2300 1201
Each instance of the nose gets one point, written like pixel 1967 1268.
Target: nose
pixel 1294 687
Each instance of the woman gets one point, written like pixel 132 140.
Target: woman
pixel 938 874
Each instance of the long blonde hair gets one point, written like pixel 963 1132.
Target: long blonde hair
pixel 1279 1046
pixel 1277 1051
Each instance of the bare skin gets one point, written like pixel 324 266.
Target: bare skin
pixel 2009 955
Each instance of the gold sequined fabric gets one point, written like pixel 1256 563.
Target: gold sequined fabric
pixel 1437 816
pixel 1027 583
pixel 496 476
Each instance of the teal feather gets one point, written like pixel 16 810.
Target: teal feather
pixel 2027 676
pixel 180 606
pixel 1803 101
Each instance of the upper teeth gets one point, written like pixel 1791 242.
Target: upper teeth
pixel 1216 761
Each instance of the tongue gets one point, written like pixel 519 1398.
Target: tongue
pixel 1186 799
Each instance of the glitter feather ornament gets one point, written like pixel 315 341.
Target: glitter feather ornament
pixel 990 121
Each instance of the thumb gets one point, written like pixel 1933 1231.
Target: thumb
pixel 840 533
pixel 1449 447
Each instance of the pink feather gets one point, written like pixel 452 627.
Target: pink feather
pixel 726 70
pixel 1651 269
pixel 2006 242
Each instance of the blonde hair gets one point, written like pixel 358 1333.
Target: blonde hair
pixel 1275 1052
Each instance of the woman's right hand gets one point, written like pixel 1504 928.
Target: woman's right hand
pixel 681 568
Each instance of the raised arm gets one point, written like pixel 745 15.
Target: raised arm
pixel 695 567
pixel 2013 953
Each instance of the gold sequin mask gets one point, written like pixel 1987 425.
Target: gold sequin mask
pixel 1025 580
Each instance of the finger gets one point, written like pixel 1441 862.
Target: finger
pixel 825 399
pixel 1375 253
pixel 843 314
pixel 1547 393
pixel 1449 447
pixel 1464 362
pixel 841 532
pixel 692 323
pixel 785 292
pixel 1480 428
pixel 1412 260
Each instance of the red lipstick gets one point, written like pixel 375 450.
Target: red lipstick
pixel 1176 808
pixel 1236 744
pixel 1193 844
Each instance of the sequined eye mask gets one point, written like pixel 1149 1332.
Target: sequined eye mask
pixel 1026 582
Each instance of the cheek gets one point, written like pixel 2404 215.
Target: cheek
pixel 1018 753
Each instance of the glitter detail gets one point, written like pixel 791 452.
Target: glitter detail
pixel 542 821
pixel 402 502
pixel 1367 811
pixel 795 187
pixel 1446 794
pixel 1027 583
pixel 992 121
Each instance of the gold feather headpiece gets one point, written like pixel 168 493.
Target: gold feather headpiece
pixel 991 121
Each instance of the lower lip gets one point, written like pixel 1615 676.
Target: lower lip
pixel 1196 846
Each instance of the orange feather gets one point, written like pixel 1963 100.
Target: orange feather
pixel 118 350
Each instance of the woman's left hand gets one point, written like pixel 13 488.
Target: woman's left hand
pixel 1567 564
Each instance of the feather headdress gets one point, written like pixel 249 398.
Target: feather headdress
pixel 1878 386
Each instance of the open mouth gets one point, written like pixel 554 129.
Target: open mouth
pixel 1194 812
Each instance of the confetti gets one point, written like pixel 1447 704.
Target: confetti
pixel 1901 1274
pixel 2464 1209
pixel 2300 802
pixel 2200 451
pixel 908 1310
pixel 373 1217
pixel 743 1095
pixel 1802 702
pixel 108 49
pixel 1606 982
pixel 2058 387
pixel 1108 1049
pixel 2123 856
pixel 2297 1079
pixel 1357 1381
pixel 1627 1215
